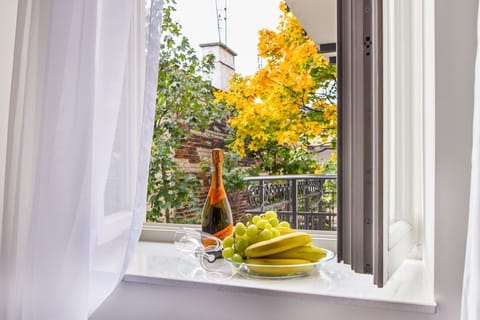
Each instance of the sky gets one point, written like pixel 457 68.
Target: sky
pixel 244 19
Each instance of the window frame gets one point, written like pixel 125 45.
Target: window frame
pixel 399 94
pixel 407 78
pixel 368 239
pixel 360 141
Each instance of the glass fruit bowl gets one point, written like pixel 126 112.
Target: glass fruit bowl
pixel 279 271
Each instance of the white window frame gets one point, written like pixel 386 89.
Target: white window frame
pixel 383 203
pixel 404 130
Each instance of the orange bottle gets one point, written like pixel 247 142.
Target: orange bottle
pixel 217 215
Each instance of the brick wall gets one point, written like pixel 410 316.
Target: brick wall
pixel 199 146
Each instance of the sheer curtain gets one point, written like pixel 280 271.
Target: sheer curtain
pixel 471 276
pixel 79 134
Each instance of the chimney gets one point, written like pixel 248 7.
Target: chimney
pixel 224 63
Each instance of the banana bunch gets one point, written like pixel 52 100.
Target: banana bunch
pixel 270 247
pixel 278 267
pixel 285 255
pixel 278 244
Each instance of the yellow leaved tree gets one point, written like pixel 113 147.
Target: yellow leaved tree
pixel 287 109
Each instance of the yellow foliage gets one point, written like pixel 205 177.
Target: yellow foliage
pixel 270 105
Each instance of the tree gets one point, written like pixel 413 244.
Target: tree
pixel 286 108
pixel 185 101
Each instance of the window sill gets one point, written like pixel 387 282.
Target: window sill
pixel 165 232
pixel 160 263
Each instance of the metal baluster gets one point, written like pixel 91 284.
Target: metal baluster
pixel 261 184
pixel 293 200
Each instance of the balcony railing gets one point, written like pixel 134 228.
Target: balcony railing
pixel 306 201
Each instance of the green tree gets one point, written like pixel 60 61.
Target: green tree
pixel 284 109
pixel 185 101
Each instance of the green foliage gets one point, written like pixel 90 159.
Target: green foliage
pixel 233 174
pixel 169 187
pixel 280 160
pixel 185 101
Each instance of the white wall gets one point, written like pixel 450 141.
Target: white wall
pixel 144 302
pixel 455 49
pixel 8 13
pixel 455 40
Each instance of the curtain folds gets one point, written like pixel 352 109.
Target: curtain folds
pixel 471 277
pixel 79 137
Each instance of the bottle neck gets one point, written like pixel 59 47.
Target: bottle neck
pixel 217 190
pixel 217 178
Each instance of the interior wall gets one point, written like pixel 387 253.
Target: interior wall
pixel 8 15
pixel 141 301
pixel 455 49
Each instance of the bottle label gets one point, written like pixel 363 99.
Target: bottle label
pixel 216 195
pixel 222 234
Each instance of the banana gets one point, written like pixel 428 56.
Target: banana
pixel 278 244
pixel 279 267
pixel 274 262
pixel 309 251
pixel 285 230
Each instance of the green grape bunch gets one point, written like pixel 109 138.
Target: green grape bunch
pixel 261 227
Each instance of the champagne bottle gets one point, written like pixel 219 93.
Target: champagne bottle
pixel 217 215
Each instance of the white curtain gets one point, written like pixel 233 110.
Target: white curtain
pixel 471 276
pixel 79 136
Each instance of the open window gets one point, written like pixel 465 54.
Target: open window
pixel 361 227
pixel 404 119
pixel 382 125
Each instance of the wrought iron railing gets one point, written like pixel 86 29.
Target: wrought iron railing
pixel 306 201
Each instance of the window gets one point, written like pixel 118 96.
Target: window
pixel 315 204
pixel 361 238
pixel 383 126
pixel 382 129
pixel 404 128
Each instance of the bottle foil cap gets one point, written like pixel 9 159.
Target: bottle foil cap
pixel 217 156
